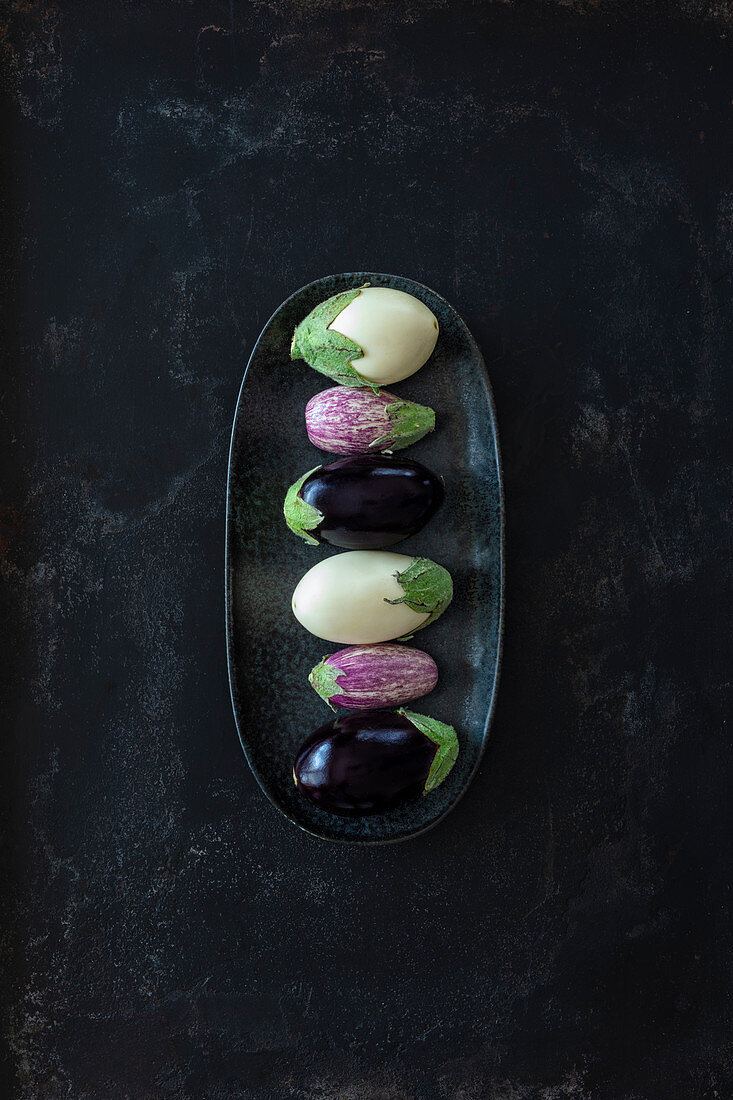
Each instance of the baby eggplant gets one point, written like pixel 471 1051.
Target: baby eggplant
pixel 366 676
pixel 351 422
pixel 362 502
pixel 368 336
pixel 373 761
pixel 367 596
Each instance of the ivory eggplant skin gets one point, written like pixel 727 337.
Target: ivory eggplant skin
pixel 363 502
pixel 367 596
pixel 363 677
pixel 349 421
pixel 371 762
pixel 367 336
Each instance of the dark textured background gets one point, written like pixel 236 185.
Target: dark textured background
pixel 562 174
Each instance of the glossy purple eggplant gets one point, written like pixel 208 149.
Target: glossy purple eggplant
pixel 372 761
pixel 363 502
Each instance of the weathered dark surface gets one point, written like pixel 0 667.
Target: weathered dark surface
pixel 564 179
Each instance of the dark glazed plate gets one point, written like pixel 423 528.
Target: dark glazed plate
pixel 269 653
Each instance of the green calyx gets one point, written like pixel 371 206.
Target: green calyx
pixel 323 679
pixel 410 422
pixel 427 587
pixel 444 737
pixel 324 349
pixel 300 516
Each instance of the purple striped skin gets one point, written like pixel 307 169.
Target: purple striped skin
pixel 348 421
pixel 374 676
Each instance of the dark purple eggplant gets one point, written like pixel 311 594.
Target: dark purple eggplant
pixel 372 761
pixel 363 502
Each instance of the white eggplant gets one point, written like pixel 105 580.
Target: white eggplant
pixel 370 336
pixel 367 596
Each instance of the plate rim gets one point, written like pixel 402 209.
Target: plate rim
pixel 228 538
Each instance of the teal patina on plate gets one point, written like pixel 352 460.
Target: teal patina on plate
pixel 269 653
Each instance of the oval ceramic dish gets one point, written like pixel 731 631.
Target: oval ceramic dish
pixel 269 653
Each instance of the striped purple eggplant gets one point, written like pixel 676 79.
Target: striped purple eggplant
pixel 354 421
pixel 362 677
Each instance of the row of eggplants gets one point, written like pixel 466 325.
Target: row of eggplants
pixel 369 760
